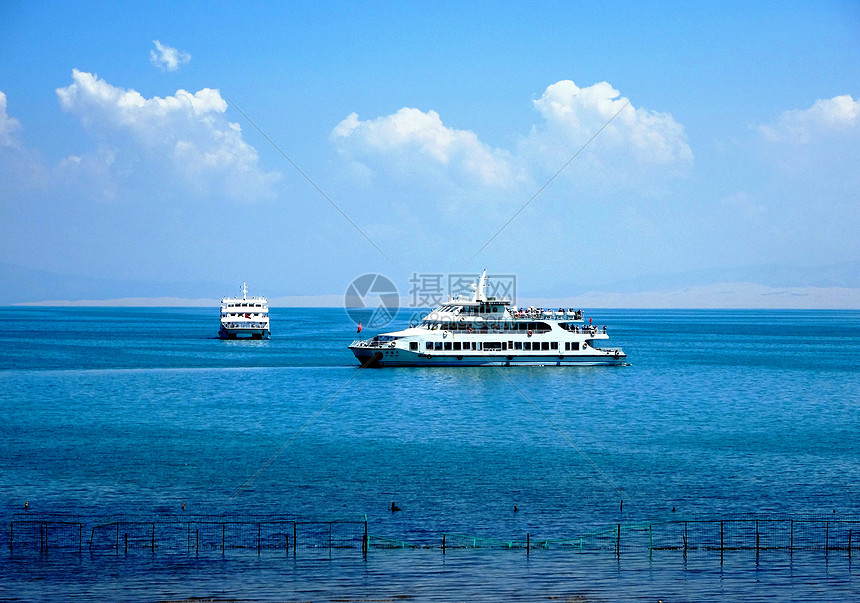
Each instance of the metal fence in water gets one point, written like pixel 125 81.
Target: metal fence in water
pixel 695 535
pixel 199 536
pixel 220 535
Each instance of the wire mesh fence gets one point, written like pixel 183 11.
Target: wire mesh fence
pixel 220 535
pixel 199 536
pixel 42 536
pixel 693 535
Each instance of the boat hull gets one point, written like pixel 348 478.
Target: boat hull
pixel 379 358
pixel 244 334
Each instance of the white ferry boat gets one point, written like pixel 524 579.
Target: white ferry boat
pixel 485 331
pixel 244 317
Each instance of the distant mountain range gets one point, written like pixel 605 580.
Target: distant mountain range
pixel 846 274
pixel 774 286
pixel 25 285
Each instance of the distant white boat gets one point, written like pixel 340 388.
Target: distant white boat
pixel 244 317
pixel 486 331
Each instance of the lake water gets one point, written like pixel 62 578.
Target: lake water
pixel 129 413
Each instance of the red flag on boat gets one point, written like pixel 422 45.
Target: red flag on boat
pixel 359 327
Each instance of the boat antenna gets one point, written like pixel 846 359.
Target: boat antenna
pixel 244 290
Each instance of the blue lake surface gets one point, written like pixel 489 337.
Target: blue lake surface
pixel 129 413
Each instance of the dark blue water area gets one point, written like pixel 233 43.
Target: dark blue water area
pixel 129 413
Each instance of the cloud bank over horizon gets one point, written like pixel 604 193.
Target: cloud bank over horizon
pixel 835 116
pixel 184 142
pixel 185 136
pixel 634 144
pixel 407 141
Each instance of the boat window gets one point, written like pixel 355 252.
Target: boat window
pixel 518 345
pixel 437 345
pixel 456 345
pixel 554 345
pixel 544 345
pixel 447 345
pixel 429 345
pixel 528 345
pixel 413 345
pixel 566 346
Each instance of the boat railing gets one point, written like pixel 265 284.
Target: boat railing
pixel 245 325
pixel 372 343
pixel 235 308
pixel 587 330
pixel 550 314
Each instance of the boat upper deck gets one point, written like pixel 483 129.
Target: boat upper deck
pixel 251 302
pixel 244 302
pixel 498 311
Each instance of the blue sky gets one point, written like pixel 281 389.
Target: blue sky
pixel 734 153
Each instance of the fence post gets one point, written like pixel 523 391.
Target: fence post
pixel 528 543
pixel 618 542
pixel 364 540
pixel 685 538
pixel 443 544
pixel 756 536
pixel 791 541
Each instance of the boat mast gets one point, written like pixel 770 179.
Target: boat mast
pixel 479 288
pixel 244 290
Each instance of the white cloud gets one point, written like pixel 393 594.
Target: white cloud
pixel 411 140
pixel 639 140
pixel 826 117
pixel 167 58
pixel 639 148
pixel 8 125
pixel 185 137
